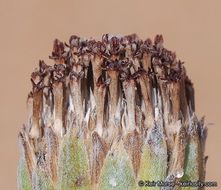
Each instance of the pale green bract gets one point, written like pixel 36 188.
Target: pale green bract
pixel 24 182
pixel 73 165
pixel 117 172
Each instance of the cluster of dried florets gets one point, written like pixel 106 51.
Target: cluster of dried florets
pixel 118 89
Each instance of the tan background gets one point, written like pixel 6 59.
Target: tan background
pixel 28 28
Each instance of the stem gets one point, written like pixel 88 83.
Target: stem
pixel 58 108
pixel 100 94
pixel 129 89
pixel 75 86
pixel 37 105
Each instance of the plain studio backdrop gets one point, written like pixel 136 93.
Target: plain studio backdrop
pixel 28 28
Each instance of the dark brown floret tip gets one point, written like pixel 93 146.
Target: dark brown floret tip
pixel 60 77
pixel 59 73
pixel 105 38
pixel 58 50
pixel 174 75
pixel 119 53
pixel 44 68
pixel 101 82
pixel 76 76
pixel 116 65
pixel 132 38
pixel 74 41
pixel 142 72
pixel 128 77
pixel 38 85
pixel 114 45
pixel 59 68
pixel 167 56
pixel 158 39
pixel 148 42
pixel 36 74
pixel 90 44
pixel 146 46
pixel 99 48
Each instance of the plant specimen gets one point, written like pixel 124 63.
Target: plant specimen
pixel 110 114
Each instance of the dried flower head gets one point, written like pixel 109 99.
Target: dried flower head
pixel 108 114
